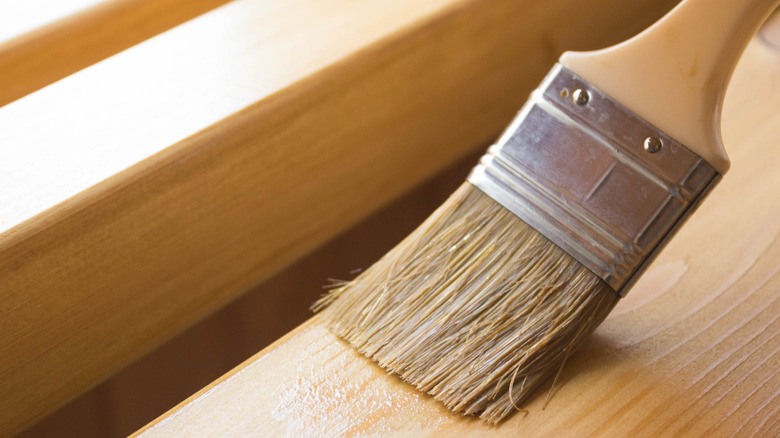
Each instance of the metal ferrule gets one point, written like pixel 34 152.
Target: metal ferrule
pixel 593 177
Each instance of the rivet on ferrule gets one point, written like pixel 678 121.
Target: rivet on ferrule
pixel 653 144
pixel 580 96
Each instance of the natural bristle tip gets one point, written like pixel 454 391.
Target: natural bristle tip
pixel 475 307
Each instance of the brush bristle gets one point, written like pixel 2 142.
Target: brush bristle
pixel 475 307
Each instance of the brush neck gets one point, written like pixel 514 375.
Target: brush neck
pixel 675 73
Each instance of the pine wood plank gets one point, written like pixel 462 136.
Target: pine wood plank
pixel 142 193
pixel 42 41
pixel 694 350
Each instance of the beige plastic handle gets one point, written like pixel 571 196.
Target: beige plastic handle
pixel 674 74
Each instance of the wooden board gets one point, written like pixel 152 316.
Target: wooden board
pixel 42 41
pixel 694 350
pixel 144 192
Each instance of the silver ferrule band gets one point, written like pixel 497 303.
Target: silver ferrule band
pixel 593 177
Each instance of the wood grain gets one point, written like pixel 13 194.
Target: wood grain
pixel 42 41
pixel 142 193
pixel 694 350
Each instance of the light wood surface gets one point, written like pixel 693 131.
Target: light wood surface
pixel 694 350
pixel 42 41
pixel 142 193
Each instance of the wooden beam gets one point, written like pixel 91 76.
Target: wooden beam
pixel 42 41
pixel 694 350
pixel 142 193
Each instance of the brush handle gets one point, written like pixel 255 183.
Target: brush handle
pixel 674 74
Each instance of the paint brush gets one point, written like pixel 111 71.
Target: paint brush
pixel 491 295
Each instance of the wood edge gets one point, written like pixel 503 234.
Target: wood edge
pixel 214 384
pixel 75 41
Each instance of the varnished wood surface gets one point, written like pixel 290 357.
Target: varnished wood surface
pixel 142 193
pixel 694 350
pixel 42 41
